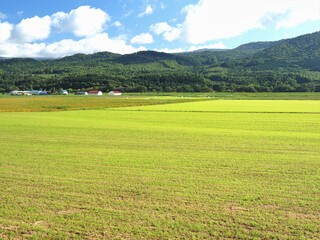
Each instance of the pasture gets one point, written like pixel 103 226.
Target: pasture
pixel 53 103
pixel 203 170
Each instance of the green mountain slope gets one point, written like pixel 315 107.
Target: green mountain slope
pixel 285 65
pixel 218 56
pixel 145 57
pixel 80 57
pixel 303 52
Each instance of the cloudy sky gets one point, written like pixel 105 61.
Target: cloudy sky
pixel 57 28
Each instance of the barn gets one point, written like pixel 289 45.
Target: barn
pixel 114 93
pixel 81 93
pixel 95 92
pixel 63 92
pixel 20 93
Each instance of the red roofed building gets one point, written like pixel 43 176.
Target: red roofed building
pixel 114 93
pixel 95 92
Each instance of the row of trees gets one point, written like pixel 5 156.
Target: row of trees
pixel 164 82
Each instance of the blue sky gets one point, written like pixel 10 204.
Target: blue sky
pixel 50 29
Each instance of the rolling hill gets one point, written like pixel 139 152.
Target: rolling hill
pixel 303 51
pixel 285 65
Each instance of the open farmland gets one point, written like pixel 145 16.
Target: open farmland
pixel 66 103
pixel 211 169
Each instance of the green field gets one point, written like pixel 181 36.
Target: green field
pixel 55 103
pixel 213 169
pixel 241 95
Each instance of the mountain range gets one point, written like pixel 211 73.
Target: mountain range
pixel 285 65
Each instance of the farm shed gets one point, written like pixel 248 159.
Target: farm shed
pixel 35 92
pixel 20 93
pixel 63 92
pixel 95 92
pixel 81 93
pixel 114 93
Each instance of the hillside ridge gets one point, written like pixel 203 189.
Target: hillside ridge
pixel 284 65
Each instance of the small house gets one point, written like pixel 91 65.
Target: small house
pixel 35 92
pixel 95 92
pixel 63 92
pixel 16 92
pixel 81 93
pixel 19 93
pixel 114 93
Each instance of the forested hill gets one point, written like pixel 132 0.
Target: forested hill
pixel 285 65
pixel 303 51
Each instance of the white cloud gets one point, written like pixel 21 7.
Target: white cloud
pixel 58 20
pixel 169 33
pixel 143 38
pixel 167 50
pixel 11 49
pixel 219 45
pixel 97 43
pixel 147 11
pixel 85 22
pixel 163 6
pixel 20 13
pixel 5 31
pixel 32 29
pixel 127 14
pixel 2 16
pixel 82 22
pixel 172 35
pixel 117 24
pixel 160 28
pixel 216 19
pixel 300 12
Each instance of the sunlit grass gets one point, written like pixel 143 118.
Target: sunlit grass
pixel 64 103
pixel 249 106
pixel 186 173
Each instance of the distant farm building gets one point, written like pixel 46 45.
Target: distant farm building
pixel 95 92
pixel 114 93
pixel 20 93
pixel 35 92
pixel 63 92
pixel 30 92
pixel 81 93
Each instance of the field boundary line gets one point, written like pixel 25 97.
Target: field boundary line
pixel 181 111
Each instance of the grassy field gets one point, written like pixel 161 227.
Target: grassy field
pixel 244 106
pixel 66 103
pixel 241 95
pixel 202 170
pixel 55 103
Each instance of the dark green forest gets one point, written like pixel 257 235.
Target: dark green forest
pixel 290 65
